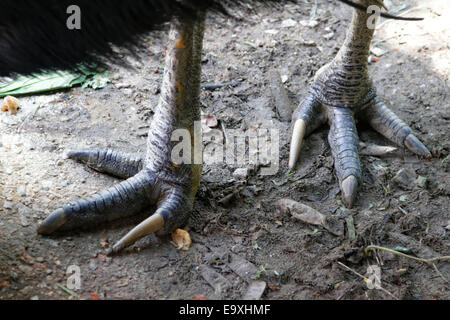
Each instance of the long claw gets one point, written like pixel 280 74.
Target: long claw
pixel 307 117
pixel 172 212
pixel 414 144
pixel 349 187
pixel 150 225
pixel 296 142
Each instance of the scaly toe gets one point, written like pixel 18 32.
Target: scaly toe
pixel 414 144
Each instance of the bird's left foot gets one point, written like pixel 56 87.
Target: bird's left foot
pixel 343 136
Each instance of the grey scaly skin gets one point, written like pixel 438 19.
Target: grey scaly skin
pixel 341 91
pixel 154 179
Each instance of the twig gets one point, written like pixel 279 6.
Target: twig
pixel 439 273
pixel 73 294
pixel 28 117
pixel 224 132
pixel 312 14
pixel 400 15
pixel 431 260
pixel 366 280
pixel 214 86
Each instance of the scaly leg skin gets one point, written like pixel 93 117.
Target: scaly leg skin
pixel 154 179
pixel 340 91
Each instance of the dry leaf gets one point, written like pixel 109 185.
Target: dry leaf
pixel 12 103
pixel 181 239
pixel 301 212
pixel 309 215
pixel 94 296
pixel 210 120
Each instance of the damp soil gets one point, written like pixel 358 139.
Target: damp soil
pixel 403 201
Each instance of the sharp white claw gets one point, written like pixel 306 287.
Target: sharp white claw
pixel 146 227
pixel 296 142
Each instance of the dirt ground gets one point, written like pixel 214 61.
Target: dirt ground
pixel 296 260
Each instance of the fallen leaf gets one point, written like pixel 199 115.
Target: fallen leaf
pixel 3 284
pixel 309 215
pixel 301 211
pixel 94 296
pixel 12 104
pixel 181 239
pixel 104 243
pixel 274 287
pixel 210 120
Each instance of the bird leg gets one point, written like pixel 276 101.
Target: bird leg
pixel 341 91
pixel 159 178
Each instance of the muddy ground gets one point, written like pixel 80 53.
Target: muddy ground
pixel 296 260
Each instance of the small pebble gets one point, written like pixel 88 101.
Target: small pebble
pixel 240 173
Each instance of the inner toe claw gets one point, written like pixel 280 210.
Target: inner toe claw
pixel 146 227
pixel 296 142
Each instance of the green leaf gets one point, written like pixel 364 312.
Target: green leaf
pixel 258 273
pixel 55 80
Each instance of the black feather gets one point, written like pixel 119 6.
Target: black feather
pixel 34 35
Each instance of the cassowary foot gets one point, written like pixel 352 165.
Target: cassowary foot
pixel 158 180
pixel 343 137
pixel 341 91
pixel 142 189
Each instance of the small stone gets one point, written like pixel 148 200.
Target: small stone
pixel 24 214
pixel 26 290
pixel 34 298
pixel 26 269
pixel 405 178
pixel 92 265
pixel 421 182
pixel 8 205
pixel 240 173
pixel 122 85
pixel 288 23
pixel 128 92
pixel 309 23
pixel 329 36
pixel 29 146
pixel 378 51
pixel 271 31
